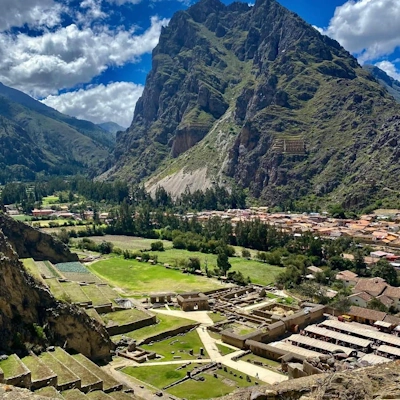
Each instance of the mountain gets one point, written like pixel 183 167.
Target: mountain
pixel 35 138
pixel 25 302
pixel 256 97
pixel 392 85
pixel 111 127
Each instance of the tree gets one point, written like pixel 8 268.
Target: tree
pixel 157 246
pixel 246 253
pixel 261 256
pixel 223 263
pixel 193 264
pixel 386 271
pixel 359 262
pixel 376 304
pixel 105 247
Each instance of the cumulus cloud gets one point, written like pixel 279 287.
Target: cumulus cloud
pixel 100 103
pixel 34 13
pixel 42 65
pixel 389 68
pixel 120 2
pixel 368 28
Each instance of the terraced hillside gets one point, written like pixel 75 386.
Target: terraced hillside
pixel 57 374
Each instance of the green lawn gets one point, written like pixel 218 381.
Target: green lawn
pixel 32 268
pixel 124 317
pixel 12 366
pixel 95 294
pixel 216 317
pixel 165 323
pixel 130 242
pixel 22 217
pixel 179 345
pixel 64 375
pixel 161 376
pixel 38 370
pixel 48 200
pixel 143 278
pixel 158 376
pixel 260 273
pixel 265 361
pixel 224 350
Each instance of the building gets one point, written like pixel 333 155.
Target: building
pixel 372 286
pixel 394 294
pixel 193 301
pixel 42 213
pixel 365 315
pixel 360 299
pixel 347 277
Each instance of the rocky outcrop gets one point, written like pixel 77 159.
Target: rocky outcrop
pixel 29 242
pixel 8 392
pixel 380 382
pixel 30 317
pixel 309 123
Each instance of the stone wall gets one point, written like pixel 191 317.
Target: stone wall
pixel 121 329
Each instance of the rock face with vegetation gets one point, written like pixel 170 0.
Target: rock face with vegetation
pixel 392 85
pixel 379 382
pixel 32 243
pixel 30 317
pixel 261 99
pixel 36 139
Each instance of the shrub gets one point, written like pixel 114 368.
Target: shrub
pixel 157 246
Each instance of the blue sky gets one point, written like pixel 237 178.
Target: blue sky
pixel 90 58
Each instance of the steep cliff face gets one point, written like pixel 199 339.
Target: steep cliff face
pixel 261 98
pixel 31 243
pixel 26 306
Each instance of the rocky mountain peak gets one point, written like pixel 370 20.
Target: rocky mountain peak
pixel 259 97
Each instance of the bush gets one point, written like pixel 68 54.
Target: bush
pixel 157 246
pixel 246 253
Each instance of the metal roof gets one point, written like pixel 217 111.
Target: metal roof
pixel 295 349
pixel 319 344
pixel 364 332
pixel 373 359
pixel 338 336
pixel 393 351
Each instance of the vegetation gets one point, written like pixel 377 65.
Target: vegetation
pixel 179 346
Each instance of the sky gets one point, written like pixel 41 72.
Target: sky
pixel 90 58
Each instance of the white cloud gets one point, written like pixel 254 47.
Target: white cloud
pixel 389 68
pixel 93 9
pixel 368 28
pixel 70 56
pixel 99 103
pixel 120 2
pixel 34 13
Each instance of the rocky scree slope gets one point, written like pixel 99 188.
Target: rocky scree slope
pixel 262 99
pixel 392 85
pixel 26 304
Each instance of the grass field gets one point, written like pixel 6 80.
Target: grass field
pixel 38 370
pixel 179 345
pixel 95 295
pixel 12 366
pixel 161 376
pixel 48 200
pixel 49 391
pixel 216 317
pixel 266 361
pixel 32 268
pixel 260 273
pixel 144 278
pixel 22 217
pixel 129 242
pixel 165 323
pixel 124 317
pixel 64 375
pixel 224 350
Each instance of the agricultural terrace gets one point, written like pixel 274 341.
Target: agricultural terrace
pixel 123 317
pixel 178 346
pixel 160 376
pixel 259 272
pixel 75 271
pixel 140 278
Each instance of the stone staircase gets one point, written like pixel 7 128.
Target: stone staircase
pixel 57 374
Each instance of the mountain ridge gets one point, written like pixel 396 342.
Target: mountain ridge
pixel 36 139
pixel 261 99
